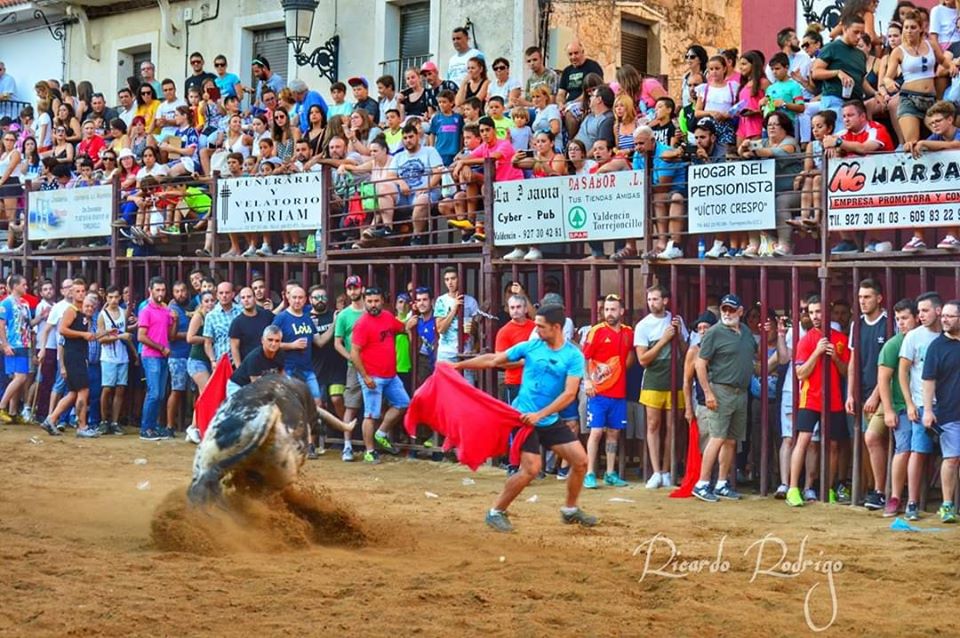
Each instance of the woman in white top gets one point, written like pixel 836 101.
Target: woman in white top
pixel 696 58
pixel 151 166
pixel 260 131
pixel 10 188
pixel 917 60
pixel 715 99
pixel 547 116
pixel 503 85
pixel 43 125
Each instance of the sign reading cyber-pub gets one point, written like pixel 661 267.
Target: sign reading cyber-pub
pixel 554 210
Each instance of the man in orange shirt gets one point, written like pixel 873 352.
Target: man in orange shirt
pixel 809 367
pixel 515 331
pixel 609 352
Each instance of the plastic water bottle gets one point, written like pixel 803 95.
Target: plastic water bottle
pixel 318 240
pixel 701 248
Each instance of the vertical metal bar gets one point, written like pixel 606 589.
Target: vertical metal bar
pixel 595 284
pixel 675 365
pixel 825 363
pixel 732 279
pixel 794 380
pixel 764 398
pixel 891 318
pixel 857 393
pixel 702 289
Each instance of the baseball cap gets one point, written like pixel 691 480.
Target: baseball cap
pixel 403 297
pixel 359 80
pixel 707 317
pixel 428 66
pixel 707 124
pixel 124 152
pixel 354 281
pixel 731 301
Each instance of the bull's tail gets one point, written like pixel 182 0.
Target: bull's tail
pixel 206 484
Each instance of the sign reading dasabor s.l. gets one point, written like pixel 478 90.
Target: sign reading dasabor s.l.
pixel 894 190
pixel 559 209
pixel 70 213
pixel 732 196
pixel 270 203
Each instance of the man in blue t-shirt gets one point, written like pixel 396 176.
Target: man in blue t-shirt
pixel 941 401
pixel 300 336
pixel 552 370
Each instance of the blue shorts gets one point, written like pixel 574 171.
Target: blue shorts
pixel 310 378
pixel 911 437
pixel 179 379
pixel 571 412
pixel 950 440
pixel 407 200
pixel 195 366
pixel 17 364
pixel 59 384
pixel 605 412
pixel 113 374
pixel 392 389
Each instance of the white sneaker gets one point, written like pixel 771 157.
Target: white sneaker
pixel 264 250
pixel 249 252
pixel 670 252
pixel 883 247
pixel 26 415
pixel 718 250
pixel 666 479
pixel 192 435
pixel 781 492
pixel 533 254
pixel 655 481
pixel 514 255
pixel 347 455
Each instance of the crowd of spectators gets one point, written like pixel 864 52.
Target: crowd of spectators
pixel 402 153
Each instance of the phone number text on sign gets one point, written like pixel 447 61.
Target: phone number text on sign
pixel 569 208
pixel 894 191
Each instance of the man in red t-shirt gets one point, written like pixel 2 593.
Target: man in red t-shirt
pixel 515 331
pixel 608 349
pixel 860 137
pixel 374 355
pixel 809 363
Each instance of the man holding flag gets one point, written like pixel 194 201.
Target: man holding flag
pixel 552 370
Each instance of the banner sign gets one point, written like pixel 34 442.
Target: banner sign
pixel 894 190
pixel 70 213
pixel 270 203
pixel 553 210
pixel 732 196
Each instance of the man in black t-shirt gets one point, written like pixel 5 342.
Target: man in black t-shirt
pixel 873 334
pixel 247 328
pixel 262 360
pixel 328 365
pixel 570 87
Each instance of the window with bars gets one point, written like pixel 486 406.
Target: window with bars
pixel 634 43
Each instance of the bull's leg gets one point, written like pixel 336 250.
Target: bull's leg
pixel 335 421
pixel 206 487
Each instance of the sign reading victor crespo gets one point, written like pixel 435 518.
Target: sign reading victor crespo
pixel 894 191
pixel 270 203
pixel 732 196
pixel 559 209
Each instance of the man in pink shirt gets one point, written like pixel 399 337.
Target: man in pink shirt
pixel 501 151
pixel 157 324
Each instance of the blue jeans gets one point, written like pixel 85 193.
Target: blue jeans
pixel 155 370
pixel 835 104
pixel 93 403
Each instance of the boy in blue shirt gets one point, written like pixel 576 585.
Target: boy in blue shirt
pixel 785 94
pixel 446 127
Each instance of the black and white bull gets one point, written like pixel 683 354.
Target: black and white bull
pixel 257 439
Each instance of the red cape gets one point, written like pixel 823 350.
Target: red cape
pixel 213 394
pixel 473 422
pixel 694 459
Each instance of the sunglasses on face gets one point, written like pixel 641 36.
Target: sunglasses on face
pixel 146 93
pixel 219 64
pixel 690 56
pixel 499 68
pixel 196 61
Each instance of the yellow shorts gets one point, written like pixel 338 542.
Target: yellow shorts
pixel 875 423
pixel 660 399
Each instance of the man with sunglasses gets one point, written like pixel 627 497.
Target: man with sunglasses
pixel 148 76
pixel 199 76
pixel 266 78
pixel 724 366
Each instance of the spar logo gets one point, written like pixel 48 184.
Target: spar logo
pixel 577 218
pixel 848 178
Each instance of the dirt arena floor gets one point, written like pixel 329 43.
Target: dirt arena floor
pixel 79 523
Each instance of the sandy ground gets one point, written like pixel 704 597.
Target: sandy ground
pixel 77 558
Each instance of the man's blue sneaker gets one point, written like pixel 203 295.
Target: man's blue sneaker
pixel 590 481
pixel 704 493
pixel 499 521
pixel 613 480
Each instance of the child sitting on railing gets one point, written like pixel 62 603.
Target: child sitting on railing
pixel 810 181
